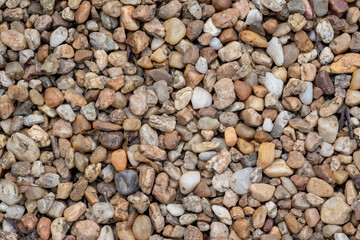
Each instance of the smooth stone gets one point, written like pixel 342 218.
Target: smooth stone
pixel 127 182
pixel 188 181
pixel 278 169
pixel 58 36
pixel 272 83
pixel 335 211
pixel 306 97
pixel 328 128
pixel 275 51
pixel 200 98
pixel 175 30
pixel 240 180
pixel 254 16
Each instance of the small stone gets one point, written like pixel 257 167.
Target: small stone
pixel 266 154
pixel 297 22
pixel 254 16
pixel 338 6
pixel 50 65
pixel 86 229
pixel 102 212
pixel 9 192
pixel 73 212
pixel 325 30
pixel 13 39
pixel 319 187
pixel 222 213
pixel 225 94
pixel 142 227
pixel 201 65
pixel 58 36
pixel 335 211
pixel 273 84
pixel 240 180
pixel 127 182
pixel 253 39
pixel 340 44
pixel 101 41
pixel 59 227
pixel 324 82
pixel 200 98
pixel 175 30
pixel 230 52
pixel 23 147
pixel 275 6
pixel 275 51
pixel 189 181
pixel 261 192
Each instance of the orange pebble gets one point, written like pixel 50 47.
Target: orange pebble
pixel 119 160
pixel 230 136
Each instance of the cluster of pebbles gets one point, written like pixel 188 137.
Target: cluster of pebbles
pixel 179 119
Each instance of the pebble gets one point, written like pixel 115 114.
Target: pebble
pixel 275 51
pixel 13 39
pixel 127 182
pixel 253 39
pixel 101 41
pixel 142 227
pixel 58 36
pixel 254 16
pixel 188 181
pixel 102 212
pixel 175 30
pixel 23 147
pixel 261 192
pixel 272 84
pixel 201 65
pixel 230 52
pixel 200 98
pixel 222 213
pixel 325 30
pixel 335 211
pixel 319 187
pixel 86 229
pixel 225 94
pixel 275 6
pixel 240 180
pixel 73 212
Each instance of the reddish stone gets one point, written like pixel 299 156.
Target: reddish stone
pixel 338 6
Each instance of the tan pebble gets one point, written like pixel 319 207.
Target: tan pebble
pixel 83 12
pixel 253 39
pixel 266 154
pixel 230 136
pixel 319 187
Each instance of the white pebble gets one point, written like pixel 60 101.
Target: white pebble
pixel 188 181
pixel 200 98
pixel 326 149
pixel 215 43
pixel 306 97
pixel 240 180
pixel 267 125
pixel 275 51
pixel 209 27
pixel 175 209
pixel 254 16
pixel 201 65
pixel 272 83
